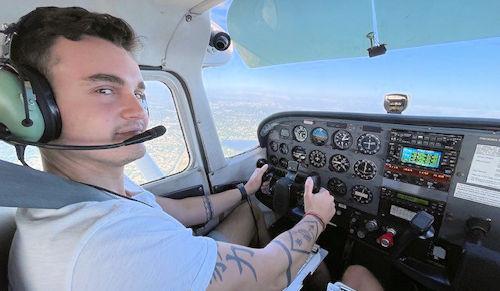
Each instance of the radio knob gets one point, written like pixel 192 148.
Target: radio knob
pixel 387 239
pixel 361 233
pixel 371 225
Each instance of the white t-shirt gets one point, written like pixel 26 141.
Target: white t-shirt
pixel 112 245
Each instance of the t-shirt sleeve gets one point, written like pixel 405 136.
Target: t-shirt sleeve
pixel 144 253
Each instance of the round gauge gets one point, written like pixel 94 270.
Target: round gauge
pixel 337 187
pixel 300 133
pixel 273 160
pixel 339 163
pixel 317 158
pixel 283 163
pixel 274 146
pixel 361 194
pixel 342 139
pixel 365 169
pixel 319 136
pixel 299 154
pixel 368 144
pixel 284 148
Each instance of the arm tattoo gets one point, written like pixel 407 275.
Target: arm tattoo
pixel 309 234
pixel 239 261
pixel 220 268
pixel 236 255
pixel 295 241
pixel 289 256
pixel 209 212
pixel 313 227
pixel 301 237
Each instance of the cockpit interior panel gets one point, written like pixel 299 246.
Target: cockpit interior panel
pixel 384 169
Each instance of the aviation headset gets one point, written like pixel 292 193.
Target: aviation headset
pixel 28 109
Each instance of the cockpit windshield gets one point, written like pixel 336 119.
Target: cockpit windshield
pixel 286 60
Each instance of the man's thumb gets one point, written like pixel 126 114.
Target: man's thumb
pixel 308 187
pixel 263 169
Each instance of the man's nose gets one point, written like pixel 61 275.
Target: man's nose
pixel 132 107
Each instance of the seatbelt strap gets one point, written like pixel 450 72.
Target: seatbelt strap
pixel 28 188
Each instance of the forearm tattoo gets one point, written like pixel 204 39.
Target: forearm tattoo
pixel 301 240
pixel 209 212
pixel 290 261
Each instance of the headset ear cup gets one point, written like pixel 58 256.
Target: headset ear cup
pixel 13 107
pixel 46 102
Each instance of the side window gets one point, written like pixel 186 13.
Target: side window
pixel 31 156
pixel 166 155
pixel 235 110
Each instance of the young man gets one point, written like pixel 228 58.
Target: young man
pixel 124 244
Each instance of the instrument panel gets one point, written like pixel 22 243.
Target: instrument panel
pixel 382 169
pixel 349 157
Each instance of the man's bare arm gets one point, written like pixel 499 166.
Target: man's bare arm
pixel 270 268
pixel 193 210
pixel 275 266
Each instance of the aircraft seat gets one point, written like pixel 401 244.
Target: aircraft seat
pixel 7 230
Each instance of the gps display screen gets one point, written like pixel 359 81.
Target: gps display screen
pixel 424 158
pixel 413 199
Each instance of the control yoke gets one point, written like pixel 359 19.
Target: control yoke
pixel 282 189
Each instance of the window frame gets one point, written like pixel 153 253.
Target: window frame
pixel 185 120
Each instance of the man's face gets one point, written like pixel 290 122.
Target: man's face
pixel 98 88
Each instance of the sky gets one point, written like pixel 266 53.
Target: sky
pixel 456 79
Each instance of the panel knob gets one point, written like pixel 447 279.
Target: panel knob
pixel 387 239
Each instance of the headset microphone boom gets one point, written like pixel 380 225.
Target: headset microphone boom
pixel 142 137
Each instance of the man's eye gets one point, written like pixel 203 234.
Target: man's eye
pixel 140 95
pixel 105 91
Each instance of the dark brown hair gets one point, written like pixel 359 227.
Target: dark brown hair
pixel 37 31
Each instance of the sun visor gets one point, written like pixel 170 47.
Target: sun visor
pixel 406 24
pixel 269 32
pixel 277 32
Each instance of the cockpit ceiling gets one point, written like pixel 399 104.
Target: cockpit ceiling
pixel 154 21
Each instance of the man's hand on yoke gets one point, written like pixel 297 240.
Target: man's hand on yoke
pixel 321 204
pixel 274 266
pixel 255 180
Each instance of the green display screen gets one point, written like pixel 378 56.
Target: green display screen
pixel 413 199
pixel 424 158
